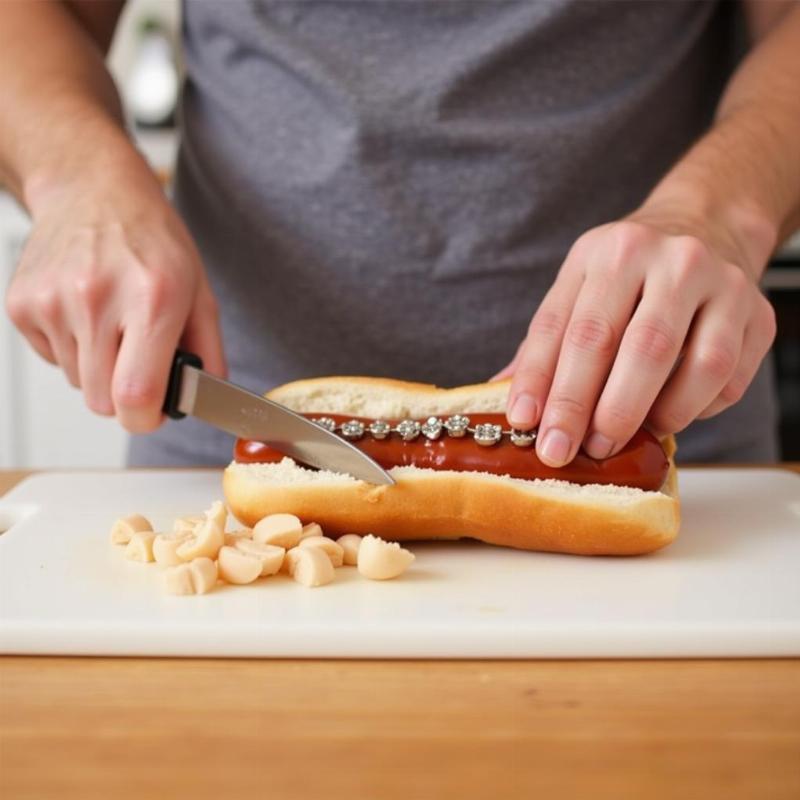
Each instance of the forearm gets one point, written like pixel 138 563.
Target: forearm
pixel 743 177
pixel 60 119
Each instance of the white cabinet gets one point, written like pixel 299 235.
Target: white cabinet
pixel 43 421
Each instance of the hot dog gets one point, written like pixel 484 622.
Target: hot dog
pixel 642 463
pixel 484 481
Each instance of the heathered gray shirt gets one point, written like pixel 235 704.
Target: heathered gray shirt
pixel 389 188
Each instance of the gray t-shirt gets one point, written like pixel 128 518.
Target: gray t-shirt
pixel 389 188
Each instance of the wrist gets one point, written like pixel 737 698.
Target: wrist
pixel 101 157
pixel 737 229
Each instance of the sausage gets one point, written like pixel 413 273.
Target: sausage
pixel 641 464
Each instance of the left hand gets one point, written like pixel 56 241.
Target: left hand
pixel 649 319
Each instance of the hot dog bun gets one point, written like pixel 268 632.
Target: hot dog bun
pixel 548 515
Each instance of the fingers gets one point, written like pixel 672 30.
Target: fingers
pixel 150 336
pixel 115 339
pixel 50 322
pixel 731 335
pixel 105 286
pixel 658 327
pixel 758 338
pixel 139 383
pixel 96 359
pixel 22 308
pixel 648 352
pixel 536 358
pixel 712 355
pixel 32 333
pixel 65 349
pixel 139 378
pixel 40 344
pixel 203 336
pixel 589 348
pixel 92 313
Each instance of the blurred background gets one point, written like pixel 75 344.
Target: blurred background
pixel 43 421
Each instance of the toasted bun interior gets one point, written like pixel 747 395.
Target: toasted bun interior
pixel 383 398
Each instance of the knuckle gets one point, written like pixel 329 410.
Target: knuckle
pixel 136 395
pixel 628 238
pixel 680 276
pixel 160 288
pixel 653 340
pixel 91 293
pixel 617 419
pixel 692 252
pixel 16 307
pixel 717 360
pixel 561 406
pixel 90 288
pixel 583 252
pixel 48 305
pixel 593 333
pixel 546 324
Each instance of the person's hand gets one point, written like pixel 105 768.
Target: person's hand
pixel 649 320
pixel 109 283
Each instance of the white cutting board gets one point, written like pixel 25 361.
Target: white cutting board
pixel 729 586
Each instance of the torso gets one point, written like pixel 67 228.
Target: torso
pixel 389 188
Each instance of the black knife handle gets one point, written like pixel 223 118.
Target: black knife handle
pixel 181 360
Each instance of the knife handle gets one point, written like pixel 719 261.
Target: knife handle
pixel 181 360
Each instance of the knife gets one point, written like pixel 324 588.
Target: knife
pixel 230 408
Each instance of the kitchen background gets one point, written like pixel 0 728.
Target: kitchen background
pixel 43 422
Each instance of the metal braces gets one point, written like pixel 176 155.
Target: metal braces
pixel 456 426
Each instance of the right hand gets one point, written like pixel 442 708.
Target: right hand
pixel 108 285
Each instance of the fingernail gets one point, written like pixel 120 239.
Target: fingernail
pixel 555 448
pixel 523 411
pixel 599 446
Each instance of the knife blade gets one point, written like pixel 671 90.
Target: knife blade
pixel 249 416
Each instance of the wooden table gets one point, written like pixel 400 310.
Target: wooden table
pixel 214 728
